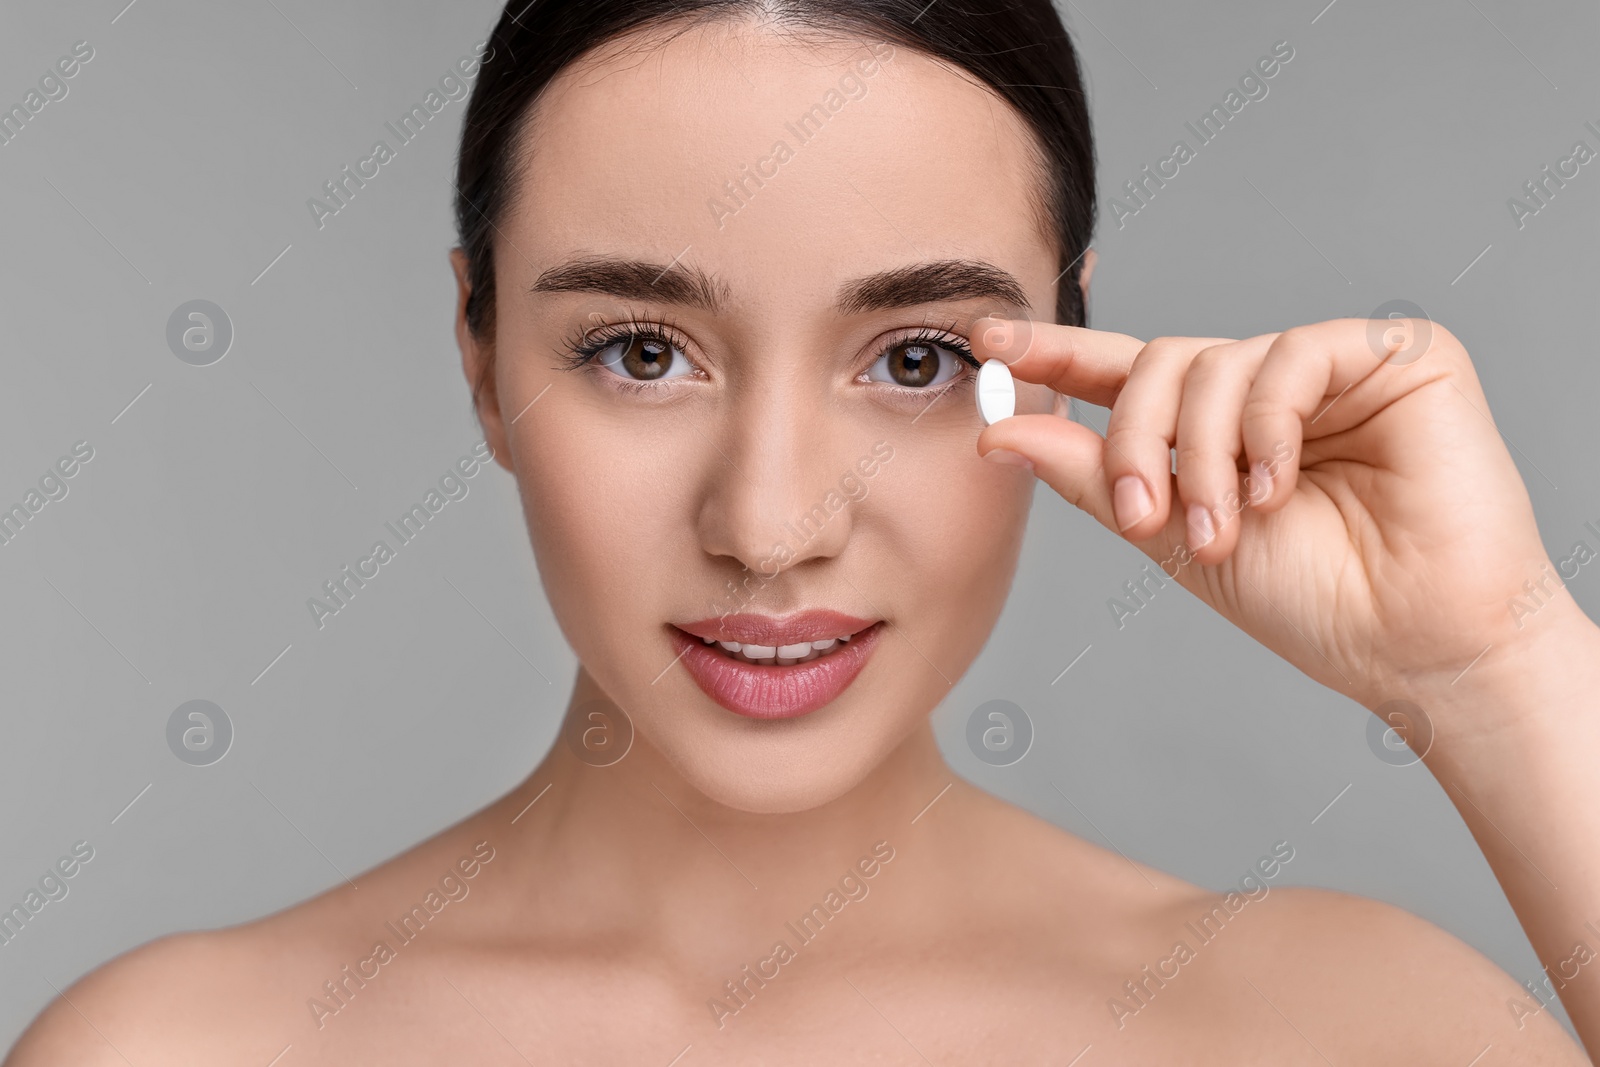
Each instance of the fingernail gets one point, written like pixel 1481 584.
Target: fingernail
pixel 1201 532
pixel 1263 484
pixel 1008 457
pixel 1130 500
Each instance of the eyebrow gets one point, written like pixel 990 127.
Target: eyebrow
pixel 688 285
pixel 924 283
pixel 631 279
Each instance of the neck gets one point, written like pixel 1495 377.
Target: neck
pixel 613 849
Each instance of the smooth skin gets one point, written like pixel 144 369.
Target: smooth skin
pixel 619 900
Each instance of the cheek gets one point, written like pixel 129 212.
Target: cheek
pixel 1036 399
pixel 960 520
pixel 607 517
pixel 958 499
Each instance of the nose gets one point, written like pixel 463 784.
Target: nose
pixel 782 488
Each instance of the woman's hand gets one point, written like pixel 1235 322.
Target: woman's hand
pixel 1340 492
pixel 1342 496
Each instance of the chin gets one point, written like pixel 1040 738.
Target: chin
pixel 777 766
pixel 774 775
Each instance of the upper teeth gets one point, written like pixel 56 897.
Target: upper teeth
pixel 794 651
pixel 783 655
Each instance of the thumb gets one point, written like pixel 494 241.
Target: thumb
pixel 1067 456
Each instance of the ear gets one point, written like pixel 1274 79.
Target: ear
pixel 477 363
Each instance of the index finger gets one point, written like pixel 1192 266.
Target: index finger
pixel 1091 365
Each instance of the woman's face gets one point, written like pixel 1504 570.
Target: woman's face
pixel 732 302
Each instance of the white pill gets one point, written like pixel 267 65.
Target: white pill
pixel 997 396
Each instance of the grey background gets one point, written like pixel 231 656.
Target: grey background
pixel 178 566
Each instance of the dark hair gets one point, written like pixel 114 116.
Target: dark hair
pixel 1017 48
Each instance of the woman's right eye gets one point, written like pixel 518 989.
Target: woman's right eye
pixel 643 358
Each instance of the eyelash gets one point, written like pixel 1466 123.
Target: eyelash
pixel 584 347
pixel 943 338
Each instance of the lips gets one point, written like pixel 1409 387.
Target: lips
pixel 775 667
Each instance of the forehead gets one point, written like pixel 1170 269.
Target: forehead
pixel 780 160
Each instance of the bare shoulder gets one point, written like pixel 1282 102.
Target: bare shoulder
pixel 1257 971
pixel 177 1000
pixel 246 993
pixel 1344 973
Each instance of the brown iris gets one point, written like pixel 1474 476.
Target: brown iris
pixel 646 358
pixel 914 363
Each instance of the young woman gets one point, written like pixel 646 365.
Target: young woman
pixel 727 269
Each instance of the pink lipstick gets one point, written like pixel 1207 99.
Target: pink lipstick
pixel 775 666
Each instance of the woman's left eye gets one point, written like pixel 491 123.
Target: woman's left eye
pixel 916 365
pixel 642 358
